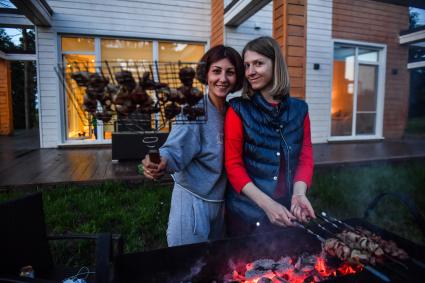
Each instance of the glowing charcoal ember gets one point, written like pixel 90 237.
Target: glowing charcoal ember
pixel 305 269
pixel 264 280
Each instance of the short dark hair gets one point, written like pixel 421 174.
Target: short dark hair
pixel 215 54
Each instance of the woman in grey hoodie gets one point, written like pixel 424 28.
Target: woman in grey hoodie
pixel 194 155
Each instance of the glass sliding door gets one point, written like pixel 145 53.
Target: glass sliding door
pixel 77 51
pixel 355 91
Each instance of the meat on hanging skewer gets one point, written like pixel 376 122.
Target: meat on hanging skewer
pixel 193 112
pixel 192 94
pixel 125 78
pixel 171 110
pixel 173 95
pixel 147 83
pixel 81 78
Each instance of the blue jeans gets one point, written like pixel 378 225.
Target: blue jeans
pixel 193 220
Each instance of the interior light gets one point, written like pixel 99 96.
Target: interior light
pixel 180 47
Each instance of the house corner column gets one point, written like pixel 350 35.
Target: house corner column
pixel 217 22
pixel 289 29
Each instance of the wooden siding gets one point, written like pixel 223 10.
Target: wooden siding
pixel 180 20
pixel 319 82
pixel 239 36
pixel 6 114
pixel 217 22
pixel 377 22
pixel 289 21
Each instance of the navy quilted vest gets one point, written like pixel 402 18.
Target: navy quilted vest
pixel 269 132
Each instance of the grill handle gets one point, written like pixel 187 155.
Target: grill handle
pixel 404 199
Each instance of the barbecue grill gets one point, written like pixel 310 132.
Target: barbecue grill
pixel 212 261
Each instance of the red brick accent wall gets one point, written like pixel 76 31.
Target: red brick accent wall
pixel 217 22
pixel 6 114
pixel 289 28
pixel 377 22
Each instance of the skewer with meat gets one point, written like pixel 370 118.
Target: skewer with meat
pixel 125 78
pixel 80 77
pixel 360 242
pixel 335 247
pixel 389 247
pixel 192 94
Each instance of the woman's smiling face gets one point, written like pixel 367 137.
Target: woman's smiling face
pixel 258 70
pixel 221 78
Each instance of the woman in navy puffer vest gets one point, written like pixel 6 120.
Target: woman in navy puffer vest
pixel 268 151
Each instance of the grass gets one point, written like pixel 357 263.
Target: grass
pixel 346 193
pixel 140 212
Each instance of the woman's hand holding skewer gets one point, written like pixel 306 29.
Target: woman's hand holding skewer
pixel 153 171
pixel 300 205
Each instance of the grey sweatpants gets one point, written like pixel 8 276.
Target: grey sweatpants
pixel 193 220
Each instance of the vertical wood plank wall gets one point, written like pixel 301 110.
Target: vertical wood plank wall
pixel 217 22
pixel 289 20
pixel 6 113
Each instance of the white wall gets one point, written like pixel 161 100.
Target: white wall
pixel 185 20
pixel 239 36
pixel 319 82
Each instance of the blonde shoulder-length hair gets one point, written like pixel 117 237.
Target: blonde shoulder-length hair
pixel 269 47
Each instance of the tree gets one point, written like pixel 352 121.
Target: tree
pixel 6 42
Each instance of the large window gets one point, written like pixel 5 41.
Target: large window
pixel 89 52
pixel 355 91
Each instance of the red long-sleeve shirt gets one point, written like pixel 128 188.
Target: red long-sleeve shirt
pixel 235 167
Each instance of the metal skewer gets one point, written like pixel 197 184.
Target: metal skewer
pixel 329 218
pixel 396 261
pixel 369 268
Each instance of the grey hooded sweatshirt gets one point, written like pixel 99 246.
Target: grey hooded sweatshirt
pixel 195 156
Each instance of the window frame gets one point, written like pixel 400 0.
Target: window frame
pixel 382 58
pixel 97 52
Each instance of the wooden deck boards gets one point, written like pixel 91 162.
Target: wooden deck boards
pixel 64 166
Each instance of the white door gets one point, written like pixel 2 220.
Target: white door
pixel 357 92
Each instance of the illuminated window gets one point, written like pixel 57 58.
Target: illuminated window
pixel 120 53
pixel 77 44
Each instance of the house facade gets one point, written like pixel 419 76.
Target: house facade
pixel 344 57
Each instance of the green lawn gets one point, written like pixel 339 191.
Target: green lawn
pixel 140 212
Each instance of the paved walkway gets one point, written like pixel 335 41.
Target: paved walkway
pixel 21 164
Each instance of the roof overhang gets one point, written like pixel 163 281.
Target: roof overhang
pixel 408 3
pixel 415 65
pixel 13 18
pixel 37 11
pixel 412 36
pixel 18 56
pixel 239 11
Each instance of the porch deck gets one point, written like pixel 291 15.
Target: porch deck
pixel 22 165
